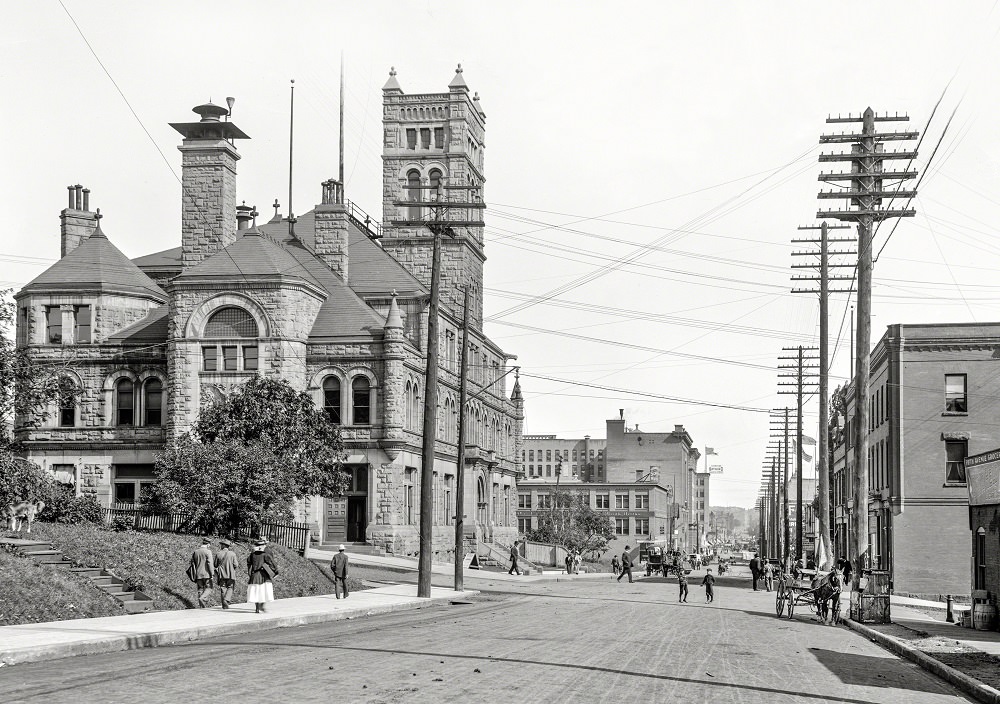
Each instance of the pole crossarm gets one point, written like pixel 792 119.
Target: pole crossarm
pixel 849 176
pixel 875 214
pixel 867 194
pixel 860 117
pixel 875 156
pixel 848 137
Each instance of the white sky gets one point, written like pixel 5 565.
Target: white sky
pixel 601 117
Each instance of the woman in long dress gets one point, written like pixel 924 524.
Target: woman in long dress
pixel 262 567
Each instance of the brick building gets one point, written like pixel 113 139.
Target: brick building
pixel 647 482
pixel 983 474
pixel 333 302
pixel 933 402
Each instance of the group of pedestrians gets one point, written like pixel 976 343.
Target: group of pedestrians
pixel 573 560
pixel 207 569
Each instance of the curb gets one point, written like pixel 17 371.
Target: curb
pixel 974 688
pixel 119 643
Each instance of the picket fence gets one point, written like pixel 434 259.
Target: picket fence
pixel 291 535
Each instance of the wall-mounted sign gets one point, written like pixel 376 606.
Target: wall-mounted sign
pixel 715 469
pixel 982 473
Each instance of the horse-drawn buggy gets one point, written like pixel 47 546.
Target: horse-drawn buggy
pixel 820 592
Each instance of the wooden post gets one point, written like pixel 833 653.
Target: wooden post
pixel 460 469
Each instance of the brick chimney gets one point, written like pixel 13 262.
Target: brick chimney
pixel 76 222
pixel 331 228
pixel 208 180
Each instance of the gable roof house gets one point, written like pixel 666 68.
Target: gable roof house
pixel 333 302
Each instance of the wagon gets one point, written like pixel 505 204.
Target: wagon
pixel 791 593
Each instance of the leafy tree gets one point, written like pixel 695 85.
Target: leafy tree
pixel 27 386
pixel 249 456
pixel 574 525
pixel 21 480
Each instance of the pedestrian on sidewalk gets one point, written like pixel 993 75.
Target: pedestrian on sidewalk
pixel 200 570
pixel 338 565
pixel 769 570
pixel 226 565
pixel 682 584
pixel 756 568
pixel 708 581
pixel 513 560
pixel 616 566
pixel 577 559
pixel 569 562
pixel 262 569
pixel 626 566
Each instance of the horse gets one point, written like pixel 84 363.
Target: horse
pixel 827 597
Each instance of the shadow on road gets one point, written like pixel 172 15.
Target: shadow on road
pixel 826 697
pixel 864 670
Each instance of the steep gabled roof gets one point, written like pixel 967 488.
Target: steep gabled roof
pixel 167 259
pixel 152 328
pixel 96 264
pixel 252 256
pixel 371 270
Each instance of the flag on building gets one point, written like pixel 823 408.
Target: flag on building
pixel 806 440
pixel 710 451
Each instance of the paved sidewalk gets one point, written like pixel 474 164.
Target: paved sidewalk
pixel 58 639
pixel 448 568
pixel 985 641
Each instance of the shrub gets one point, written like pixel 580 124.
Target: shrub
pixel 120 524
pixel 64 506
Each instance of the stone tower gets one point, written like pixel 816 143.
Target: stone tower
pixel 208 182
pixel 430 137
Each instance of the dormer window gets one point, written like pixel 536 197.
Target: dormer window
pixel 230 323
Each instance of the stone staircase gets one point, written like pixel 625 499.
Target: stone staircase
pixel 43 553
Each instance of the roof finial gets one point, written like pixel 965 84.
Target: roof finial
pixel 98 214
pixel 276 205
pixel 392 70
pixel 459 69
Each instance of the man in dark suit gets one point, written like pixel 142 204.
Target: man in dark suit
pixel 201 569
pixel 513 560
pixel 756 568
pixel 626 566
pixel 339 567
pixel 226 565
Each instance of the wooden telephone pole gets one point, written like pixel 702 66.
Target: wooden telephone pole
pixel 439 227
pixel 780 424
pixel 824 278
pixel 799 372
pixel 865 194
pixel 460 470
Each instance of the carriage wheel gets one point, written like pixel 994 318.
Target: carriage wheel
pixel 779 603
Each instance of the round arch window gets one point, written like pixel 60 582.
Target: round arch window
pixel 231 322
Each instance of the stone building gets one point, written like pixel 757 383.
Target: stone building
pixel 333 301
pixel 647 482
pixel 932 404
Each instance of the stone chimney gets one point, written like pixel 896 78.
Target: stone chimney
pixel 208 181
pixel 331 228
pixel 76 222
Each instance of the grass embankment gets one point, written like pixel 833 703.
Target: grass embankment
pixel 32 593
pixel 155 563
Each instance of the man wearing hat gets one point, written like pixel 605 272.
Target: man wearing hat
pixel 339 567
pixel 200 571
pixel 225 572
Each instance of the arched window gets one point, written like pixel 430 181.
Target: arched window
pixel 361 400
pixel 231 322
pixel 125 402
pixel 331 399
pixel 413 193
pixel 68 393
pixel 152 393
pixel 228 323
pixel 433 179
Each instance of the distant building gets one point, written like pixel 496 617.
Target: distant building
pixel 934 391
pixel 647 482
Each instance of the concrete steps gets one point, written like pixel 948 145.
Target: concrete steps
pixel 43 553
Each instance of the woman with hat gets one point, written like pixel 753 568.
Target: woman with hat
pixel 262 569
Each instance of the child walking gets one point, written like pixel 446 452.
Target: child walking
pixel 708 581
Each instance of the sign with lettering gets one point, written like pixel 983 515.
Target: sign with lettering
pixel 982 474
pixel 715 469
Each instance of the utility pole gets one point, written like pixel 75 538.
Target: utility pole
pixel 780 431
pixel 439 227
pixel 864 206
pixel 460 469
pixel 823 466
pixel 798 372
